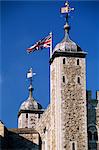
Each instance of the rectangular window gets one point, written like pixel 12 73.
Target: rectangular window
pixel 73 146
pixel 63 60
pixel 77 61
pixel 64 79
pixel 78 80
pixel 38 115
pixel 26 115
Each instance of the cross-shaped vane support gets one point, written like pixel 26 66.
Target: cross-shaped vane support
pixel 66 10
pixel 30 75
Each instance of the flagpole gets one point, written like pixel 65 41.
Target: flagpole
pixel 51 45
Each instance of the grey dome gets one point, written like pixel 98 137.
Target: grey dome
pixel 30 104
pixel 67 45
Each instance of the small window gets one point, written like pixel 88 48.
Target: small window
pixel 78 80
pixel 26 115
pixel 77 61
pixel 64 61
pixel 73 146
pixel 38 115
pixel 44 130
pixel 95 136
pixel 64 79
pixel 89 135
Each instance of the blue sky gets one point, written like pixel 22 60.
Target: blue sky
pixel 25 22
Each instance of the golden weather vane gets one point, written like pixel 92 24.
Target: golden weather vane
pixel 66 10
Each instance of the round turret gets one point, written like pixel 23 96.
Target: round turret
pixel 30 110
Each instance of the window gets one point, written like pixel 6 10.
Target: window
pixel 44 130
pixel 89 135
pixel 77 61
pixel 64 79
pixel 95 136
pixel 64 61
pixel 78 80
pixel 26 115
pixel 38 115
pixel 92 133
pixel 73 146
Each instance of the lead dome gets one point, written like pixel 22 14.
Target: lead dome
pixel 67 45
pixel 30 103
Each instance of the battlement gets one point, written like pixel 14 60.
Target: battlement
pixel 89 95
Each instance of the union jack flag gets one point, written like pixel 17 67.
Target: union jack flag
pixel 44 43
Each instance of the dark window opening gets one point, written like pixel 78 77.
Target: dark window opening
pixel 26 115
pixel 95 136
pixel 77 61
pixel 89 135
pixel 73 146
pixel 63 60
pixel 64 79
pixel 44 130
pixel 78 80
pixel 38 115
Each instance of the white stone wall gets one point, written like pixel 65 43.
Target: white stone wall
pixel 56 104
pixel 74 121
pixel 27 122
pixel 44 128
pixel 68 104
pixel 32 120
pixel 22 121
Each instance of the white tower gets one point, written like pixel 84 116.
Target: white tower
pixel 68 94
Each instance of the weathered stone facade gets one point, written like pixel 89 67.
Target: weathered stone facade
pixel 68 97
pixel 44 128
pixel 74 104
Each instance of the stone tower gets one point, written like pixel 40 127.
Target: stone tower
pixel 68 94
pixel 30 110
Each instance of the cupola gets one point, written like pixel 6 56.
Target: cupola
pixel 30 110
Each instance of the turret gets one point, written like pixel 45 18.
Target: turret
pixel 30 110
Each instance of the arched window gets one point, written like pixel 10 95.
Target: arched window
pixel 63 60
pixel 73 146
pixel 77 61
pixel 89 135
pixel 95 136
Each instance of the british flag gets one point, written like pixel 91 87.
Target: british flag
pixel 44 43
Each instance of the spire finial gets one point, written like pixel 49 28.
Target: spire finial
pixel 30 75
pixel 66 10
